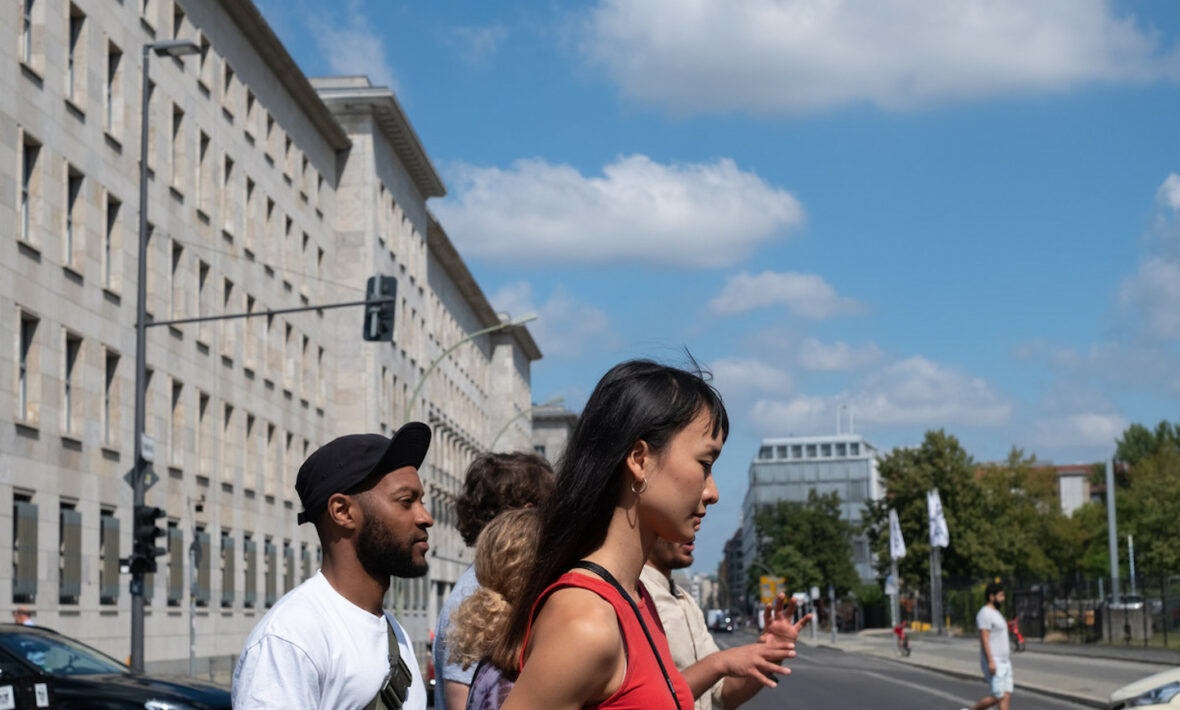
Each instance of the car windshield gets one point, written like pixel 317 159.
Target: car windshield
pixel 58 655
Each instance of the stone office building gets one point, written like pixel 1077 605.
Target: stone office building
pixel 266 191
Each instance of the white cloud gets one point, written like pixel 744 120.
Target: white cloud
pixel 792 56
pixel 1155 294
pixel 639 211
pixel 737 377
pixel 354 47
pixel 910 392
pixel 1082 430
pixel 1168 194
pixel 837 357
pixel 806 295
pixel 565 327
pixel 477 45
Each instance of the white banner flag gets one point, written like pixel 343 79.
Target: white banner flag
pixel 939 535
pixel 896 542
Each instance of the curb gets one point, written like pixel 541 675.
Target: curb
pixel 1056 694
pixel 1169 663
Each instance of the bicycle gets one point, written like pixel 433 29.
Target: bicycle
pixel 903 640
pixel 1015 637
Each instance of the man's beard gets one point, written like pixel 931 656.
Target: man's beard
pixel 381 555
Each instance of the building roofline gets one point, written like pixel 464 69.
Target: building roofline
pixel 440 243
pixel 250 20
pixel 349 93
pixel 823 439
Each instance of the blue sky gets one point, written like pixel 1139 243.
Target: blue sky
pixel 960 215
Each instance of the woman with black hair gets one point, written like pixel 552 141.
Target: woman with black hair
pixel 638 466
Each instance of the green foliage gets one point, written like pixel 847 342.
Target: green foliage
pixel 1005 519
pixel 939 462
pixel 809 543
pixel 1148 510
pixel 870 595
pixel 1139 443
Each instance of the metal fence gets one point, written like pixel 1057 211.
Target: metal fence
pixel 1070 610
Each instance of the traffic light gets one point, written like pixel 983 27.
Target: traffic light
pixel 145 532
pixel 379 316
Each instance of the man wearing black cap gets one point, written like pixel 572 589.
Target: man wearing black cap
pixel 327 643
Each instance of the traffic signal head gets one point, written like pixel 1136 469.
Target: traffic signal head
pixel 379 316
pixel 145 532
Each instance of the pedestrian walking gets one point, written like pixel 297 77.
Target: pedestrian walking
pixel 494 483
pixel 327 644
pixel 504 556
pixel 723 679
pixel 638 466
pixel 994 653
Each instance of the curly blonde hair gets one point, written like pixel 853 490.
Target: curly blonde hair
pixel 504 556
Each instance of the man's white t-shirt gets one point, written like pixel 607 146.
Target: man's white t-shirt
pixel 316 649
pixel 997 627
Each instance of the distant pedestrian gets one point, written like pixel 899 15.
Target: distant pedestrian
pixel 495 483
pixel 504 556
pixel 327 644
pixel 994 651
pixel 21 615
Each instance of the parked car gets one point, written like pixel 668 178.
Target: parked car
pixel 78 676
pixel 1126 601
pixel 1159 692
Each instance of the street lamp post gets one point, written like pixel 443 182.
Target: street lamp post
pixel 520 320
pixel 173 48
pixel 553 402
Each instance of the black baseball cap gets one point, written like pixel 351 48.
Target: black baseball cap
pixel 346 461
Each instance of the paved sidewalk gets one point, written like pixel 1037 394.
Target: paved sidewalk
pixel 1083 679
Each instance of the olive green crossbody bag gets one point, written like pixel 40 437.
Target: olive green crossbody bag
pixel 397 682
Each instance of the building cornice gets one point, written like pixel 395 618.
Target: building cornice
pixel 248 18
pixel 347 94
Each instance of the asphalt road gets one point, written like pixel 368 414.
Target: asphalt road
pixel 827 678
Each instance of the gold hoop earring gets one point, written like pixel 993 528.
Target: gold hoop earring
pixel 641 489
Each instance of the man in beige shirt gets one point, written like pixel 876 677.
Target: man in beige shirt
pixel 734 675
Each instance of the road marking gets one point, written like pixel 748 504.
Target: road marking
pixel 932 691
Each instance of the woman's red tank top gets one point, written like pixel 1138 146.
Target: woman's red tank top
pixel 643 686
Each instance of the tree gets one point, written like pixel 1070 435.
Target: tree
pixel 1139 443
pixel 939 462
pixel 810 544
pixel 1147 510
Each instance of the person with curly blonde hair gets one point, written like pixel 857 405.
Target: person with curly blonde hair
pixel 494 483
pixel 504 554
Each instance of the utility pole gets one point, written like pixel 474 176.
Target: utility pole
pixel 832 609
pixel 1112 536
pixel 936 588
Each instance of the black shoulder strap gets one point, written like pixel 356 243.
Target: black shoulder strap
pixel 610 579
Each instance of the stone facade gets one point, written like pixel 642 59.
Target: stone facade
pixel 552 428
pixel 265 192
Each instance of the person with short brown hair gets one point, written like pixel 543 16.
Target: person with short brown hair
pixel 21 615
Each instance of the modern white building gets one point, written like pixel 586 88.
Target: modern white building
pixel 789 468
pixel 266 191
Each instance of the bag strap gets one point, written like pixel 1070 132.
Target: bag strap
pixel 397 681
pixel 610 579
